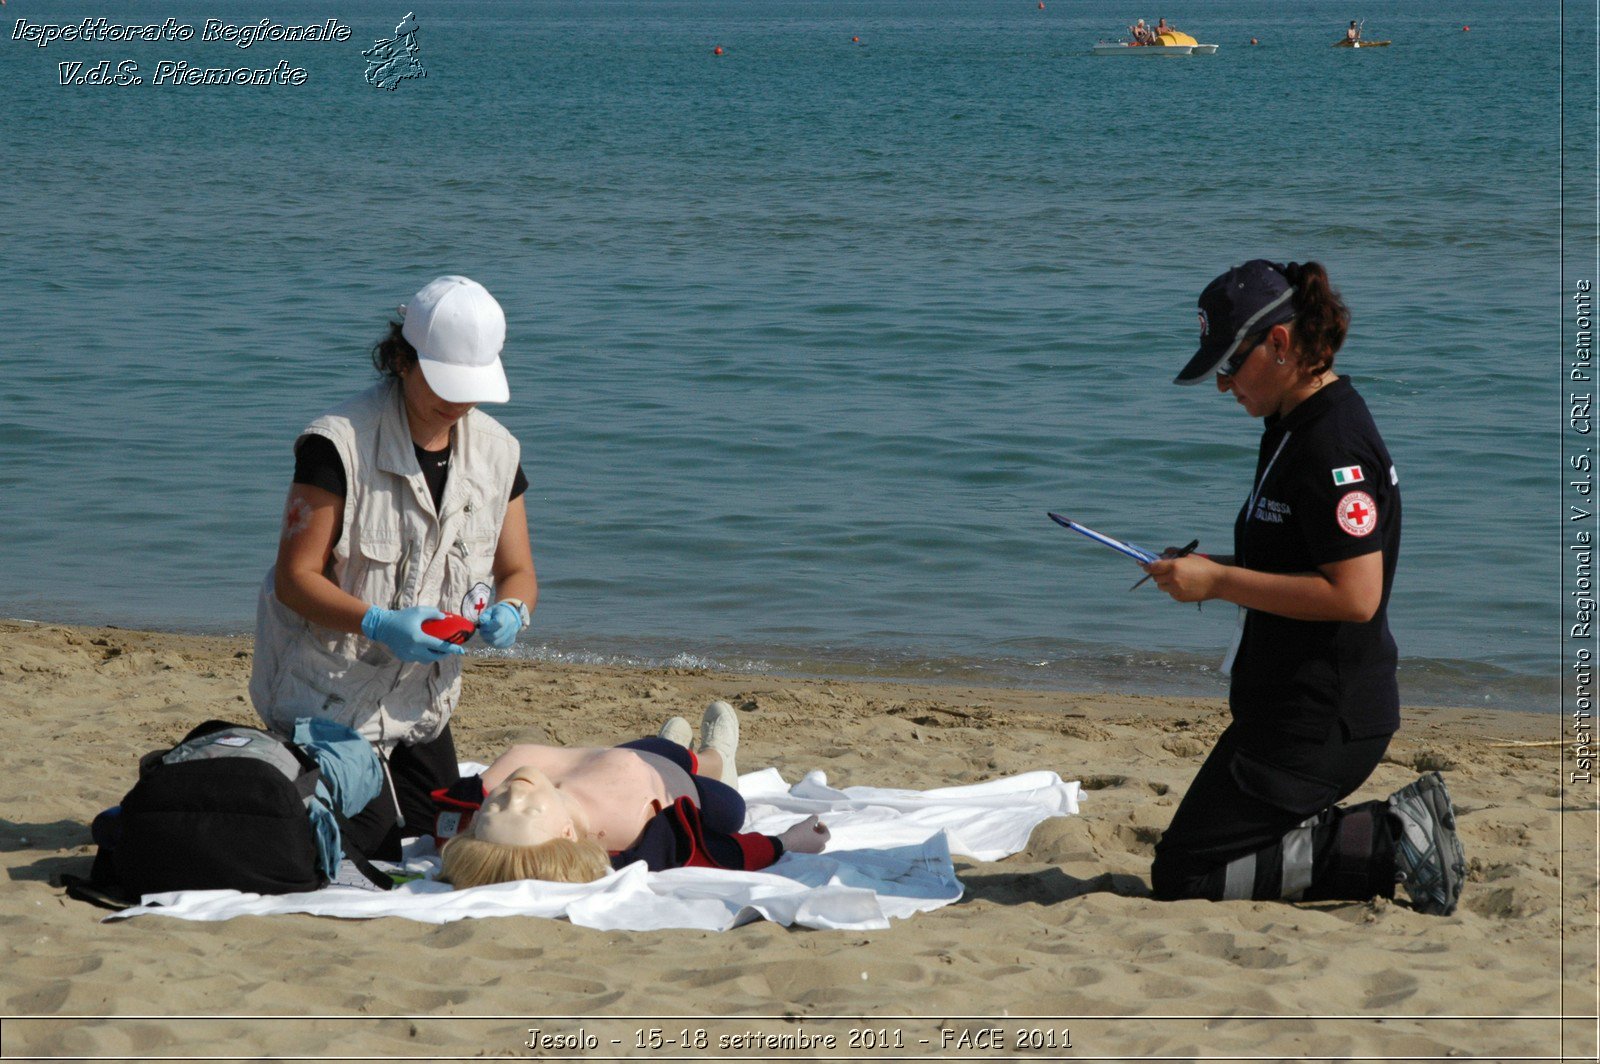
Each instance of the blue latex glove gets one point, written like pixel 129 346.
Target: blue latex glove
pixel 499 624
pixel 401 631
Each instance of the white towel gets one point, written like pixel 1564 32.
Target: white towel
pixel 889 857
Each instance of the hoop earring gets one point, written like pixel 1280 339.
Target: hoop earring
pixel 1280 362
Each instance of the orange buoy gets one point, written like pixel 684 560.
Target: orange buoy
pixel 1041 5
pixel 1254 41
pixel 717 50
pixel 855 40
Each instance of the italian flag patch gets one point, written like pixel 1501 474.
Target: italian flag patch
pixel 1350 474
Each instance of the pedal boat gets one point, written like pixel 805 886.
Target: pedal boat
pixel 1167 44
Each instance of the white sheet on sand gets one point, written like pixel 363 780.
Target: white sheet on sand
pixel 889 856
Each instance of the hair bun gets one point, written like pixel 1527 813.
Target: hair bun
pixel 1321 317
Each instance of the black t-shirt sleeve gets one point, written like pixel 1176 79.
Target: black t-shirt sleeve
pixel 1345 502
pixel 317 463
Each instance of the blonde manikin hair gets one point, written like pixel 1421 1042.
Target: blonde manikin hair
pixel 472 862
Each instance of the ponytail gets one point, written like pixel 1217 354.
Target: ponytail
pixel 1320 317
pixel 393 353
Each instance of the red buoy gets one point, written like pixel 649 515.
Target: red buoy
pixel 1041 5
pixel 717 50
pixel 1464 29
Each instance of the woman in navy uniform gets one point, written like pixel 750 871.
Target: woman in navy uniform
pixel 1313 691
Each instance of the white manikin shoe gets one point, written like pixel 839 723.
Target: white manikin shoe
pixel 719 731
pixel 677 730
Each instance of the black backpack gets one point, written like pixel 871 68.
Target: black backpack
pixel 228 808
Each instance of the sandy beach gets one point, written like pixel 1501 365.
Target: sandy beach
pixel 1064 932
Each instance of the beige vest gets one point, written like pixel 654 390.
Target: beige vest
pixel 394 551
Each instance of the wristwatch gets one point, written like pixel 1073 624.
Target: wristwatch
pixel 522 610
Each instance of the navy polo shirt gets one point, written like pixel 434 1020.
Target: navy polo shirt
pixel 1325 491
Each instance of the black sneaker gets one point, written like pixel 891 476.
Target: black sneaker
pixel 1427 853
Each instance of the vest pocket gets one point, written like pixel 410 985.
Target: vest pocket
pixel 320 683
pixel 444 694
pixel 382 573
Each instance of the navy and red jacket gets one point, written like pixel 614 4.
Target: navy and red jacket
pixel 683 835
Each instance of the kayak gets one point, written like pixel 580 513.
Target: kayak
pixel 1347 43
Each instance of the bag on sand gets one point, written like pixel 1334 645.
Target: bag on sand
pixel 233 807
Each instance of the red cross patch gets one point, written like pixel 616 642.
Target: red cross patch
pixel 1357 513
pixel 476 600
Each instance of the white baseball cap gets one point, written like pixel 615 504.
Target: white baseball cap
pixel 458 330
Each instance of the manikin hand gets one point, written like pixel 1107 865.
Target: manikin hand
pixel 808 836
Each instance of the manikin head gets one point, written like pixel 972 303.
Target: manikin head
pixel 524 830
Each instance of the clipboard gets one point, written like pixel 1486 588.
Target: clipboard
pixel 1132 550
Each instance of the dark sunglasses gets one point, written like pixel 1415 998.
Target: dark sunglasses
pixel 1237 359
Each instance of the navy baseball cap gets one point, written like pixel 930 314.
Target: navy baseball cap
pixel 1236 306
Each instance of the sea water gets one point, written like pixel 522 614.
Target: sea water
pixel 803 339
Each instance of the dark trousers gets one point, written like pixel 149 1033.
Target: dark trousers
pixel 722 808
pixel 413 774
pixel 1259 821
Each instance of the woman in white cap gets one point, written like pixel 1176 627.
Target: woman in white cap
pixel 406 504
pixel 1313 694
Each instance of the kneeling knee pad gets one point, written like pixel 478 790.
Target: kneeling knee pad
pixel 1362 862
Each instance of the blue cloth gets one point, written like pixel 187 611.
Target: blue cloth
pixel 330 847
pixel 351 777
pixel 349 764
